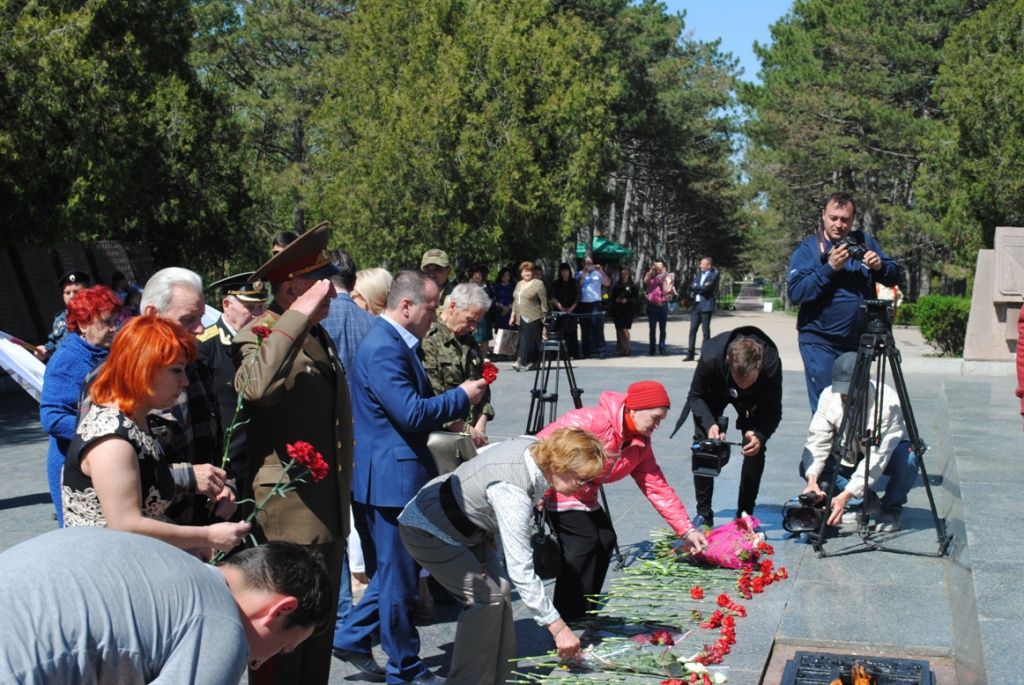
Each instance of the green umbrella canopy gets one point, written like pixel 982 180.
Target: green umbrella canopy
pixel 604 249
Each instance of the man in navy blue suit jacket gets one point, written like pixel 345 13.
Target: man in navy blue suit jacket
pixel 702 289
pixel 394 410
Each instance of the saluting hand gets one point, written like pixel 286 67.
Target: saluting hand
pixel 312 302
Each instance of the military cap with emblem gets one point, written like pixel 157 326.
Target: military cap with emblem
pixel 306 256
pixel 79 277
pixel 435 257
pixel 241 286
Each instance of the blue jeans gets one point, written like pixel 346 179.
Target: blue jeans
pixel 901 470
pixel 592 328
pixel 344 595
pixel 818 359
pixel 657 320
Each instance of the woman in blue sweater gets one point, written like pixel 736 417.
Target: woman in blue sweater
pixel 92 321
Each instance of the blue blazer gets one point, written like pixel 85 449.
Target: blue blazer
pixel 394 410
pixel 707 293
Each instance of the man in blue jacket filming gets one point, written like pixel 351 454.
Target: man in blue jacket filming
pixel 830 274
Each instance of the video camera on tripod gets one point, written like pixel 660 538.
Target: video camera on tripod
pixel 711 455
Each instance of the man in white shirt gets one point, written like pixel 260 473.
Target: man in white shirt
pixel 891 457
pixel 591 279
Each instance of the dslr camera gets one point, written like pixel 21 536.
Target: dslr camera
pixel 805 513
pixel 855 245
pixel 709 456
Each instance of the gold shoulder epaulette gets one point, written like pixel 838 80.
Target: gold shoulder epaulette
pixel 209 333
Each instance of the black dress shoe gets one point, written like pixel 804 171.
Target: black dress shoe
pixel 428 678
pixel 688 358
pixel 700 521
pixel 365 663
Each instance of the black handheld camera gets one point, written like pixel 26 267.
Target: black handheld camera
pixel 856 246
pixel 709 456
pixel 805 513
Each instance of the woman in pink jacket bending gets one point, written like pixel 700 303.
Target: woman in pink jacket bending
pixel 624 424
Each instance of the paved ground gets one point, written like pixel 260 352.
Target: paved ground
pixel 962 605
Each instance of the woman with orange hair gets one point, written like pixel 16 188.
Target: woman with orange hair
pixel 115 473
pixel 92 317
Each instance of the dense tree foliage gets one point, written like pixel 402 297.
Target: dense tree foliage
pixel 476 125
pixel 671 193
pixel 974 163
pixel 505 129
pixel 848 103
pixel 270 59
pixel 106 133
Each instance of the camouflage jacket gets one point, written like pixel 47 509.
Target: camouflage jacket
pixel 449 361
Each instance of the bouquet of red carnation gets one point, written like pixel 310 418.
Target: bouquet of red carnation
pixel 489 372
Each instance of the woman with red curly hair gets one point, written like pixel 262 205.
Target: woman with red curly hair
pixel 92 317
pixel 115 473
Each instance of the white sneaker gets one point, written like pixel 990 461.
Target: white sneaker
pixel 850 516
pixel 888 522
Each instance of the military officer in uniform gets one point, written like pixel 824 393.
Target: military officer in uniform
pixel 69 284
pixel 294 389
pixel 451 355
pixel 241 302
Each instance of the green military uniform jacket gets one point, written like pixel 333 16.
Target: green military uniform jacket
pixel 449 361
pixel 295 389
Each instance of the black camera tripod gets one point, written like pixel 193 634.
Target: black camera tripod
pixel 553 359
pixel 856 432
pixel 541 397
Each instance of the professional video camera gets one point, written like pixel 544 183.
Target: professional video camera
pixel 709 456
pixel 878 318
pixel 805 513
pixel 856 246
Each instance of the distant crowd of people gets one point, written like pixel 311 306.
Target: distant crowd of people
pixel 378 383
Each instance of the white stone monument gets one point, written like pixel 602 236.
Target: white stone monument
pixel 997 298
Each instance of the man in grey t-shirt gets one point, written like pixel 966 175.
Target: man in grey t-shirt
pixel 93 605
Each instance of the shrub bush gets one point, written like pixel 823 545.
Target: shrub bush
pixel 905 315
pixel 943 322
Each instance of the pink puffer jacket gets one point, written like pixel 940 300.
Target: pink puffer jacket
pixel 634 459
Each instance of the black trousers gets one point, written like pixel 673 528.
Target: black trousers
pixel 587 540
pixel 702 320
pixel 750 482
pixel 528 347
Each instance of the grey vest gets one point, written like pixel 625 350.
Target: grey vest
pixel 501 463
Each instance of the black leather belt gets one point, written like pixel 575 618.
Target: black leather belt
pixel 455 514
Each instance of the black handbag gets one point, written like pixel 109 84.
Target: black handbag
pixel 547 552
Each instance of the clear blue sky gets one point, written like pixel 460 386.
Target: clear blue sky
pixel 737 22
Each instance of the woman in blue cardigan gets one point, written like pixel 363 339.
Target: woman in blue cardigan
pixel 92 321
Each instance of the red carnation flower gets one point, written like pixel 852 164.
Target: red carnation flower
pixel 672 681
pixel 697 592
pixel 305 454
pixel 662 637
pixel 489 372
pixel 261 332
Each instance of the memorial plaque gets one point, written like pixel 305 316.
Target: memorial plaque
pixel 72 257
pixel 15 316
pixel 142 263
pixel 1009 276
pixel 110 256
pixel 42 278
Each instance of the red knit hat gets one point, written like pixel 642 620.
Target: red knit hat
pixel 647 395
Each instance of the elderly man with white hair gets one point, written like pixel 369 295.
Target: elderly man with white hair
pixel 451 354
pixel 192 429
